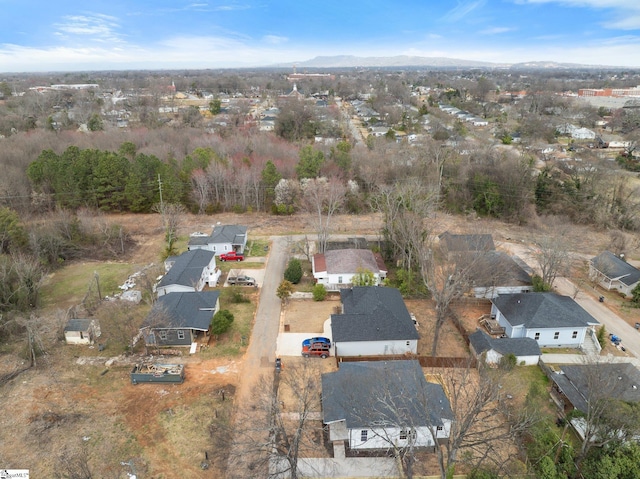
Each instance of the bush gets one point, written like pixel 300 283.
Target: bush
pixel 601 335
pixel 221 322
pixel 508 362
pixel 319 292
pixel 293 273
pixel 539 286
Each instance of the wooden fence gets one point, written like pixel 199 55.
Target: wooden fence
pixel 425 361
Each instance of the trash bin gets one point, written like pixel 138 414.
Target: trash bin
pixel 637 325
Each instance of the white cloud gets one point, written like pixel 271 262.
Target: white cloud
pixel 496 30
pixel 462 10
pixel 626 13
pixel 274 39
pixel 96 26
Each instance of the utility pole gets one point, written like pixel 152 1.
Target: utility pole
pixel 161 202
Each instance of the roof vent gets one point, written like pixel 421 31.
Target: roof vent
pixel 619 378
pixel 634 386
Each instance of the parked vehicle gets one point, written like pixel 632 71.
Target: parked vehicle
pixel 316 349
pixel 231 256
pixel 241 280
pixel 319 339
pixel 278 365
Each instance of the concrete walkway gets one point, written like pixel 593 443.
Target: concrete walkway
pixel 583 359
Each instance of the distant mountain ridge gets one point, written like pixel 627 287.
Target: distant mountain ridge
pixel 352 61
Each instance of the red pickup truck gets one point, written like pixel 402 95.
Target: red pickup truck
pixel 231 256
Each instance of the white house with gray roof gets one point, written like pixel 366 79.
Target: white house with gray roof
pixel 190 271
pixel 492 350
pixel 379 405
pixel 223 239
pixel 335 268
pixel 611 272
pixel 552 320
pixel 374 322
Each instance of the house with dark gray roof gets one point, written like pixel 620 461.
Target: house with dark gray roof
pixel 459 243
pixel 81 331
pixel 223 239
pixel 190 271
pixel 374 322
pixel 552 320
pixel 612 272
pixel 335 269
pixel 495 272
pixel 177 319
pixel 492 350
pixel 376 405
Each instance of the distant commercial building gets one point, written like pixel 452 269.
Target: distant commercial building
pixel 615 92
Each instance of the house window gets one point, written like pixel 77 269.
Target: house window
pixel 408 343
pixel 163 335
pixel 440 428
pixel 339 279
pixel 363 435
pixel 537 337
pixel 403 434
pixel 556 335
pixel 574 335
pixel 180 334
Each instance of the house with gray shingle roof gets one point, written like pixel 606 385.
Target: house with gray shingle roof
pixel 376 405
pixel 462 243
pixel 177 319
pixel 526 350
pixel 374 322
pixel 223 238
pixel 611 272
pixel 495 272
pixel 552 320
pixel 81 331
pixel 189 271
pixel 335 269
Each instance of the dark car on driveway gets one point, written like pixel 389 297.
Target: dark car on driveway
pixel 319 339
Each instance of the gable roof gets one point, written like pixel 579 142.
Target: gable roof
pixel 482 342
pixel 615 268
pixel 471 242
pixel 234 234
pixel 79 325
pixel 542 310
pixel 187 268
pixel 190 310
pixel 505 270
pixel 383 393
pixel 347 261
pixel 573 381
pixel 372 313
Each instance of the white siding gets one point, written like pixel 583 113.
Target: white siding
pixel 77 337
pixel 565 337
pixel 376 348
pixel 174 288
pixel 493 291
pixel 378 438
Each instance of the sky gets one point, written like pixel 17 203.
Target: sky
pixel 69 35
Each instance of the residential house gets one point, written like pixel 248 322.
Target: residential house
pixel 495 272
pixel 612 272
pixel 380 405
pixel 552 320
pixel 189 272
pixel 177 319
pixel 492 350
pixel 81 331
pixel 460 243
pixel 335 268
pixel 575 385
pixel 223 238
pixel 374 322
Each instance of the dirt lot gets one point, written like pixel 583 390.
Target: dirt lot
pixel 308 316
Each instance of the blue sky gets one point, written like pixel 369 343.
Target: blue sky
pixel 158 34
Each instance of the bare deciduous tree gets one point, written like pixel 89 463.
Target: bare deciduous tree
pixel 322 198
pixel 552 255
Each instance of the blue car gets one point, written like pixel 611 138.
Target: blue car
pixel 310 341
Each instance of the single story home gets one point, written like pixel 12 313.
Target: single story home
pixel 552 320
pixel 380 405
pixel 374 322
pixel 495 272
pixel 526 350
pixel 335 268
pixel 81 331
pixel 190 271
pixel 223 238
pixel 612 272
pixel 177 319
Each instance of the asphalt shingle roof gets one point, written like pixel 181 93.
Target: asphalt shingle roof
pixel 347 261
pixel 78 324
pixel 615 268
pixel 378 393
pixel 191 310
pixel 187 268
pixel 542 310
pixel 234 234
pixel 372 313
pixel 470 242
pixel 482 342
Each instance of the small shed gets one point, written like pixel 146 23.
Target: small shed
pixel 81 331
